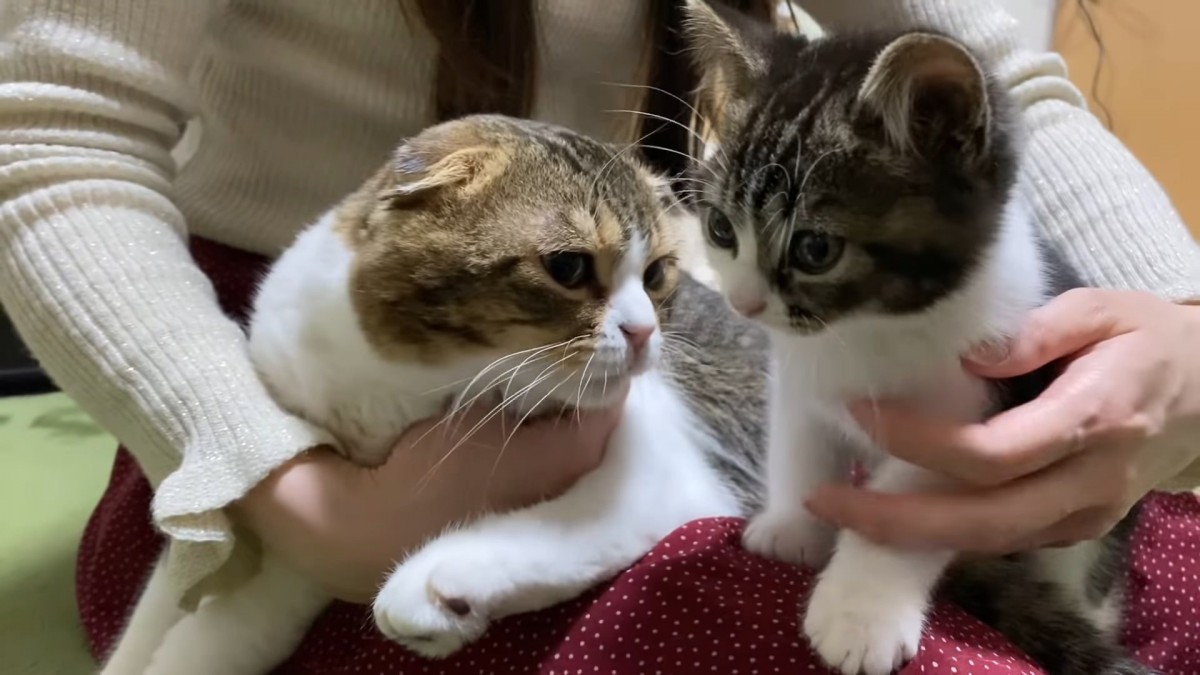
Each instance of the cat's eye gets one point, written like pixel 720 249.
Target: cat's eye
pixel 655 275
pixel 718 229
pixel 815 252
pixel 569 268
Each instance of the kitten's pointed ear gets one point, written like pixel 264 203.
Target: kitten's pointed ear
pixel 730 53
pixel 724 41
pixel 929 92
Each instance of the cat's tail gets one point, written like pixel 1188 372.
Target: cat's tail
pixel 1067 633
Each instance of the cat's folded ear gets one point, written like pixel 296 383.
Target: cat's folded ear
pixel 437 161
pixel 730 53
pixel 929 93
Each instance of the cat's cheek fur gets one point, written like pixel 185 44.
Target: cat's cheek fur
pixel 308 347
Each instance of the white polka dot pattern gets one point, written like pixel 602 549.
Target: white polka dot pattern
pixel 696 604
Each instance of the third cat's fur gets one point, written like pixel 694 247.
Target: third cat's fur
pixel 859 199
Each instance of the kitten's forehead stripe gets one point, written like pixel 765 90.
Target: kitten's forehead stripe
pixel 783 127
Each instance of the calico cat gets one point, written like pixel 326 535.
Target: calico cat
pixel 504 258
pixel 858 196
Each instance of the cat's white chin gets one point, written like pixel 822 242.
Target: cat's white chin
pixel 599 396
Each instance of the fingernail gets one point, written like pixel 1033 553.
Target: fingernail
pixel 989 353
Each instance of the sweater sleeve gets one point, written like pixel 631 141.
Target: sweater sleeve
pixel 95 271
pixel 1092 198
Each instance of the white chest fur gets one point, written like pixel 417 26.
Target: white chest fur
pixel 867 610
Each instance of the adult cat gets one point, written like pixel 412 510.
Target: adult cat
pixel 498 258
pixel 859 200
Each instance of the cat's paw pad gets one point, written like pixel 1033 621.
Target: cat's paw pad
pixel 796 538
pixel 417 609
pixel 857 629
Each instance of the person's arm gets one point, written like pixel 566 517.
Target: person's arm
pixel 1095 201
pixel 94 268
pixel 345 527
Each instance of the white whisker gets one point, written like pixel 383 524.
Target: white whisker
pixel 696 113
pixel 521 421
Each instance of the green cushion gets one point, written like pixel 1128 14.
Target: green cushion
pixel 54 464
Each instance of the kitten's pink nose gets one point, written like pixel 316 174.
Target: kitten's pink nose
pixel 637 334
pixel 750 308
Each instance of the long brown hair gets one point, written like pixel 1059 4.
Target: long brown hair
pixel 487 63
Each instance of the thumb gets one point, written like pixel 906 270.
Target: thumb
pixel 1064 326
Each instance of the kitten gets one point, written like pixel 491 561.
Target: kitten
pixel 492 257
pixel 858 194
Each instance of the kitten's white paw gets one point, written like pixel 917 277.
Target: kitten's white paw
pixel 422 608
pixel 859 627
pixel 791 536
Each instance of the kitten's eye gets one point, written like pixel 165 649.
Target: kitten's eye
pixel 815 252
pixel 719 231
pixel 655 275
pixel 570 269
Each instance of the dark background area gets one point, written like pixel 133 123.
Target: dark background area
pixel 19 374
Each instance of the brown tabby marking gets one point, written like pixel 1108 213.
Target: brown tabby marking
pixel 449 239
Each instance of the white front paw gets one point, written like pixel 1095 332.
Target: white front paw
pixel 858 626
pixel 424 607
pixel 791 536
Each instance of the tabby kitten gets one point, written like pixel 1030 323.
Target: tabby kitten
pixel 503 258
pixel 858 198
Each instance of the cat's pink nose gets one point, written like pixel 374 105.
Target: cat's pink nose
pixel 637 334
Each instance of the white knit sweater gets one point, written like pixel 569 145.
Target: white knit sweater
pixel 299 101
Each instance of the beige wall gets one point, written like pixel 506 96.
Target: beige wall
pixel 1150 83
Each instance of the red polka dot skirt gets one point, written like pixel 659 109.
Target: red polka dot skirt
pixel 696 604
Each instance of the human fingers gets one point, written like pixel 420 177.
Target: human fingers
pixel 1013 444
pixel 990 520
pixel 1064 326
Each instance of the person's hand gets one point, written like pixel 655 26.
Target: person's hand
pixel 345 526
pixel 1122 417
